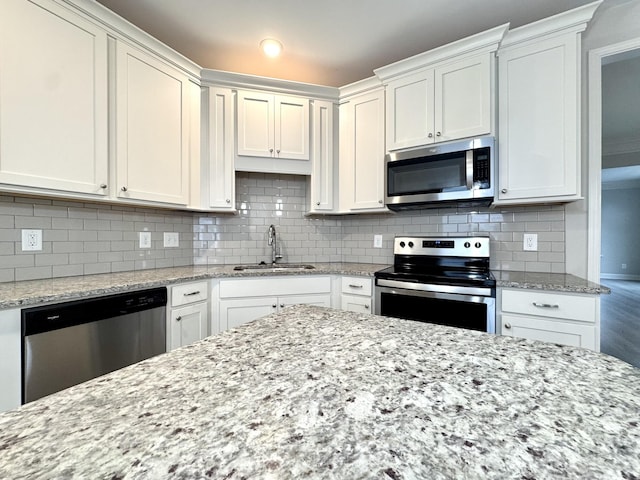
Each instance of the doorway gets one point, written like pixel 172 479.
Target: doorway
pixel 619 193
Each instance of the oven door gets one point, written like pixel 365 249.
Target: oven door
pixel 474 312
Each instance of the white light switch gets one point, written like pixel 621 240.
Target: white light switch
pixel 531 241
pixel 171 239
pixel 31 240
pixel 145 239
pixel 377 241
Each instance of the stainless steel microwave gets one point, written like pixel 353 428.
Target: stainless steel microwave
pixel 423 177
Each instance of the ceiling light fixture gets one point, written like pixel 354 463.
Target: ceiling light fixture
pixel 271 47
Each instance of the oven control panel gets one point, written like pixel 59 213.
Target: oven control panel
pixel 442 246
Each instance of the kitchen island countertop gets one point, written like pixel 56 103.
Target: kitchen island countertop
pixel 319 393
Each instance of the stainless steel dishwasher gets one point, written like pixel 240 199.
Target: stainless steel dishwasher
pixel 68 343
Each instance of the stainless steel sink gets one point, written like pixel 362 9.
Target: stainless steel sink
pixel 273 268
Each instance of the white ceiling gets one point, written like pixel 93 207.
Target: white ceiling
pixel 330 42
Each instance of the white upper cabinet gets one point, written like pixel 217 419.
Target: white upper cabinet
pixel 539 110
pixel 220 149
pixel 321 187
pixel 53 100
pixel 272 127
pixel 152 128
pixel 444 94
pixel 362 153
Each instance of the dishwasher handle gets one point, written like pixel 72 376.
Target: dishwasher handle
pixel 62 315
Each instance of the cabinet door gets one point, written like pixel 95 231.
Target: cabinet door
pixel 238 311
pixel 539 121
pixel 362 153
pixel 409 112
pixel 554 331
pixel 10 359
pixel 188 324
pixel 255 124
pixel 463 98
pixel 353 303
pixel 291 127
pixel 152 128
pixel 221 181
pixel 322 185
pixel 53 93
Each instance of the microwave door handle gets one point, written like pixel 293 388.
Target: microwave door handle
pixel 469 162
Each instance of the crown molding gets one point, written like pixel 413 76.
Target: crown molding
pixel 361 86
pixel 221 78
pixel 487 41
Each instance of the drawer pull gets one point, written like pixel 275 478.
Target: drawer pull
pixel 353 285
pixel 507 326
pixel 197 292
pixel 178 318
pixel 366 306
pixel 545 305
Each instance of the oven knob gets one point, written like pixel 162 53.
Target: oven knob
pixel 478 245
pixel 410 244
pixel 467 244
pixel 402 244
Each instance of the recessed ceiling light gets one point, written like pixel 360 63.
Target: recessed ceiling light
pixel 271 47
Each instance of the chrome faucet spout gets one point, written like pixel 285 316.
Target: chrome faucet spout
pixel 271 240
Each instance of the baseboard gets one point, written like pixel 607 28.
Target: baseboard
pixel 619 276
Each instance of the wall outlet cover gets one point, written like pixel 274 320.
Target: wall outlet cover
pixel 145 239
pixel 171 239
pixel 530 242
pixel 31 240
pixel 377 241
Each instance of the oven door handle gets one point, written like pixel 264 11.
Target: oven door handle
pixel 427 287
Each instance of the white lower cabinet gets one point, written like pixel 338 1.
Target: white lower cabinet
pixel 243 300
pixel 10 359
pixel 188 317
pixel 563 318
pixel 355 294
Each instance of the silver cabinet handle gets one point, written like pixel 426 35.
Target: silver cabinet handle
pixel 430 135
pixel 278 152
pixel 178 318
pixel 504 190
pixel 438 134
pixel 380 201
pixel 124 189
pixel 271 151
pixel 318 204
pixel 191 293
pixel 353 285
pixel 367 307
pixel 507 326
pixel 282 305
pixel 103 185
pixel 228 200
pixel 273 306
pixel 545 305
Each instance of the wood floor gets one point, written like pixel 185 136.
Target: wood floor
pixel 620 320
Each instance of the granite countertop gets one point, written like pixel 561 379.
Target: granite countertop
pixel 33 292
pixel 320 393
pixel 559 282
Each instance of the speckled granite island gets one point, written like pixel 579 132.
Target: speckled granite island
pixel 319 393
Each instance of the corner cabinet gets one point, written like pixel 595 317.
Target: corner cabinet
pixel 274 128
pixel 362 153
pixel 53 100
pixel 152 128
pixel 563 318
pixel 539 110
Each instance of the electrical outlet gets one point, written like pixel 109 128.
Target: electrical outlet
pixel 171 239
pixel 531 241
pixel 31 240
pixel 624 266
pixel 145 239
pixel 377 241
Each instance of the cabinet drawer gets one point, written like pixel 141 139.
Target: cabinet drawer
pixel 554 331
pixel 356 286
pixel 260 287
pixel 581 308
pixel 189 293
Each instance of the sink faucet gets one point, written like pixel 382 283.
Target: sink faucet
pixel 271 234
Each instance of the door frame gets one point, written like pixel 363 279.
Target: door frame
pixel 594 246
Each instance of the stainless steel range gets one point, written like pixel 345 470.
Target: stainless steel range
pixel 443 280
